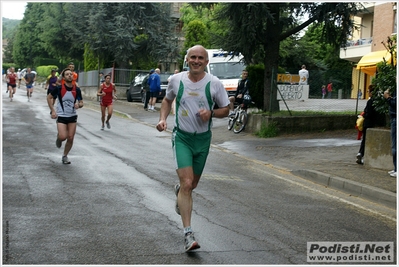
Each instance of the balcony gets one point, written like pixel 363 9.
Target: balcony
pixel 356 49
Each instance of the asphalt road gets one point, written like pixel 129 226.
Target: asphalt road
pixel 115 203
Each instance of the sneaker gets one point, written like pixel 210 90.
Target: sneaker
pixel 65 160
pixel 391 171
pixel 58 143
pixel 102 127
pixel 393 174
pixel 359 158
pixel 10 99
pixel 177 188
pixel 108 125
pixel 189 242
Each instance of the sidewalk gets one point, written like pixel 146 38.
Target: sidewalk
pixel 327 158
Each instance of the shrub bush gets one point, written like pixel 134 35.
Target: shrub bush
pixel 45 71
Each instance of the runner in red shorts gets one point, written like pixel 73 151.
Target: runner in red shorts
pixel 107 92
pixel 12 83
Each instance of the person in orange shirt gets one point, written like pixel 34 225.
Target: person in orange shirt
pixel 71 67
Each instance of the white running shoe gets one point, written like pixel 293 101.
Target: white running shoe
pixel 189 242
pixel 65 160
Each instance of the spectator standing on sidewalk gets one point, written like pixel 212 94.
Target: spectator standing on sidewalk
pixel 323 91
pixel 146 88
pixel 392 115
pixel 196 93
pixel 371 119
pixel 69 100
pixel 155 88
pixel 107 92
pixel 303 75
pixel 329 89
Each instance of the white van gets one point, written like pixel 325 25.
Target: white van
pixel 227 69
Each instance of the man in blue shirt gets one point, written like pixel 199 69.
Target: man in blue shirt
pixel 155 88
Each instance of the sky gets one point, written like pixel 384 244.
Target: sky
pixel 13 9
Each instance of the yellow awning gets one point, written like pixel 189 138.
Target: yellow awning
pixel 367 63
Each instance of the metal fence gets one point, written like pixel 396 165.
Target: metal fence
pixel 123 77
pixel 348 94
pixel 120 77
pixel 92 78
pixel 289 100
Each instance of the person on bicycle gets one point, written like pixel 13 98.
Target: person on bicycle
pixel 242 89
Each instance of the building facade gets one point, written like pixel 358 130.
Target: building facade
pixel 365 48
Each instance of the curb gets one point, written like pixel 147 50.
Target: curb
pixel 368 192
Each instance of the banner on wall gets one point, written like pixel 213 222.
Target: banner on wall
pixel 293 92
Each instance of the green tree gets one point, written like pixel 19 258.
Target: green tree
pixel 256 30
pixel 55 27
pixel 196 33
pixel 123 33
pixel 321 59
pixel 127 32
pixel 7 56
pixel 386 76
pixel 27 46
pixel 9 27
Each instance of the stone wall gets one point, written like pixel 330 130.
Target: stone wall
pixel 91 92
pixel 377 152
pixel 298 124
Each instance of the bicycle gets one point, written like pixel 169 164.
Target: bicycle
pixel 239 119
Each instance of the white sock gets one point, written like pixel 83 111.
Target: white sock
pixel 188 230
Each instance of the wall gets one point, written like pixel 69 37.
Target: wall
pixel 383 24
pixel 91 92
pixel 377 152
pixel 378 142
pixel 297 124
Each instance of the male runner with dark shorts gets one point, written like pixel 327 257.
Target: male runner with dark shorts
pixel 69 100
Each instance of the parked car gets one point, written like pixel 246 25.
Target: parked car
pixel 136 88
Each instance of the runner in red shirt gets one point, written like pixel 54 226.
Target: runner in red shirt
pixel 12 83
pixel 107 92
